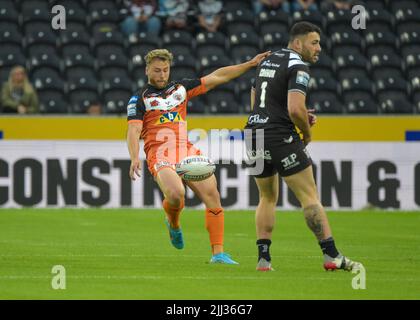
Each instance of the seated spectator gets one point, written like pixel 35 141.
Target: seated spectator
pixel 142 19
pixel 209 14
pixel 268 5
pixel 298 5
pixel 175 12
pixel 17 94
pixel 95 109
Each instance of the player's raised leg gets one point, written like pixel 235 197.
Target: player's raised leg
pixel 207 191
pixel 173 189
pixel 265 218
pixel 304 187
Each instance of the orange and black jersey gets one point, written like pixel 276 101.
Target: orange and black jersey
pixel 163 109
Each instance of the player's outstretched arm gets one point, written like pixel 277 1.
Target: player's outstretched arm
pixel 133 137
pixel 225 74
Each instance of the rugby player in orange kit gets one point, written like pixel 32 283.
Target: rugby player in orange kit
pixel 157 114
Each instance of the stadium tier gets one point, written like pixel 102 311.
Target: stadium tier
pixel 373 70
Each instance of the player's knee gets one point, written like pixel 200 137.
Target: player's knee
pixel 176 195
pixel 269 197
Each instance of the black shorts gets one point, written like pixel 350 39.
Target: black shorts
pixel 284 159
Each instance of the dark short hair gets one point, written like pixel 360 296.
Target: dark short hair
pixel 302 28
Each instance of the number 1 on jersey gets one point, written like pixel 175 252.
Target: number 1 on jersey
pixel 262 97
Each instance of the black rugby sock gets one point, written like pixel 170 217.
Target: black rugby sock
pixel 264 249
pixel 328 247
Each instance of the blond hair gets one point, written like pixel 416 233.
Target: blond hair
pixel 26 85
pixel 161 54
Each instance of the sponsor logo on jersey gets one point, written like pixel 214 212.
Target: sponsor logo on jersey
pixel 302 78
pixel 162 164
pixel 131 109
pixel 133 99
pixel 267 73
pixel 256 119
pixel 167 103
pixel 270 64
pixel 169 117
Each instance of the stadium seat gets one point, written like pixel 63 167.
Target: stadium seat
pixel 8 11
pixel 147 39
pixel 322 83
pixel 75 12
pixel 52 101
pixel 39 33
pixel 139 77
pixel 312 16
pixel 386 72
pixel 4 73
pixel 336 18
pixel 184 61
pixel 412 58
pixel 10 36
pixel 395 6
pixel 380 57
pixel 416 102
pixel 360 102
pixel 282 19
pixel 240 54
pixel 105 38
pixel 415 84
pixel 213 61
pixel 375 4
pixel 116 82
pixel 385 38
pixel 178 73
pixel 274 41
pixel 176 49
pixel 391 83
pixel 81 78
pixel 245 101
pixel 221 101
pixel 196 106
pixel 111 56
pixel 409 34
pixel 177 37
pixel 47 79
pixel 230 5
pixel 80 100
pixel 74 49
pixel 321 72
pixel 350 61
pixel 107 73
pixel 354 83
pixel 35 11
pixel 140 50
pixel 245 81
pixel 242 15
pixel 211 38
pixel 345 37
pixel 78 59
pixel 324 102
pixel 243 38
pixel 380 17
pixel 11 55
pixel 394 102
pixel 73 36
pixel 115 101
pixel 340 50
pixel 103 11
pixel 44 60
pixel 238 27
pixel 210 49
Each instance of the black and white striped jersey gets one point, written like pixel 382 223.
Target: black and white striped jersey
pixel 277 74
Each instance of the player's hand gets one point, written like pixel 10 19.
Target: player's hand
pixel 135 170
pixel 258 58
pixel 311 117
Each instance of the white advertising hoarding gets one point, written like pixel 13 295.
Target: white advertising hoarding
pixel 350 175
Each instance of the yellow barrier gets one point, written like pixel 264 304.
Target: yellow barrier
pixel 328 128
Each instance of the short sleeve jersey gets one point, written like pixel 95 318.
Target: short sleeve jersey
pixel 163 109
pixel 279 73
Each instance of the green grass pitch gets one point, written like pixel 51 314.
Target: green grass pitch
pixel 126 254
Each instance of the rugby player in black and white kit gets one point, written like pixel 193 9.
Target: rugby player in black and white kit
pixel 278 100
